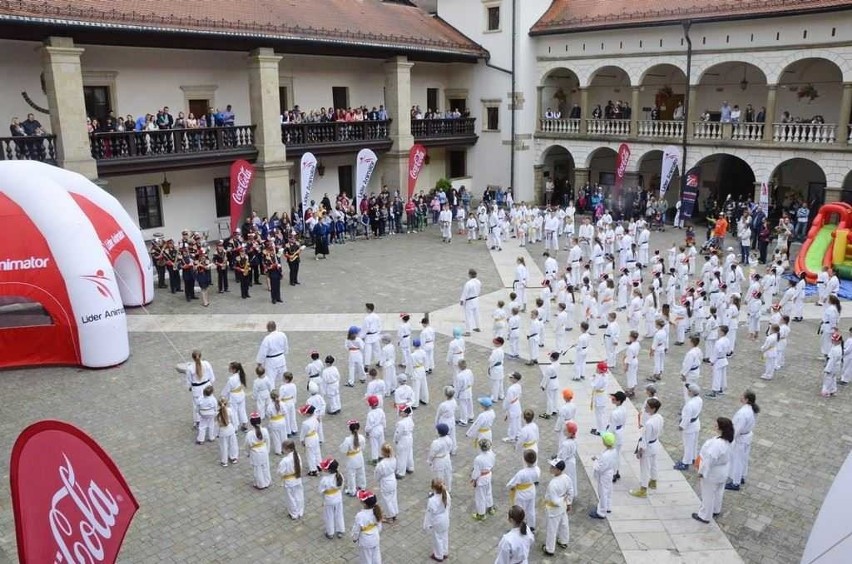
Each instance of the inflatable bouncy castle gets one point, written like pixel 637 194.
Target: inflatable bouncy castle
pixel 828 243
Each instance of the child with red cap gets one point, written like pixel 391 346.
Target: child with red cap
pixel 332 500
pixel 568 450
pixel 367 528
pixel 374 427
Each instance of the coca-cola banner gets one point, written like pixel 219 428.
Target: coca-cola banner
pixel 309 173
pixel 70 500
pixel 364 168
pixel 242 173
pixel 621 161
pixel 671 160
pixel 416 160
pixel 690 192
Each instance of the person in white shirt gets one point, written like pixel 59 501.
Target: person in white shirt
pixel 715 457
pixel 832 367
pixel 744 421
pixel 649 446
pixel 631 363
pixel 272 354
pixel 557 502
pixel 617 421
pixel 514 546
pixel 690 369
pixel 520 283
pixel 534 336
pixel 603 472
pixel 822 290
pixel 469 301
pixel 481 478
pixel 445 220
pixel 372 329
pixel 690 425
pixel 770 353
pixel 512 408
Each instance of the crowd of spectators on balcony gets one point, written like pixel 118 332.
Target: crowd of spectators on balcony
pixel 617 110
pixel 329 115
pixel 417 114
pixel 163 119
pixel 27 128
pixel 733 114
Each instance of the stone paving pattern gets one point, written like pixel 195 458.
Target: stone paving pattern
pixel 192 510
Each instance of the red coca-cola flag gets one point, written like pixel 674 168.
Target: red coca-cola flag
pixel 70 500
pixel 242 173
pixel 416 160
pixel 621 165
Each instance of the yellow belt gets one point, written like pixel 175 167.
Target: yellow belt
pixel 311 434
pixel 331 491
pixel 288 476
pixel 276 418
pixel 257 446
pixel 528 444
pixel 237 390
pixel 484 429
pixel 290 398
pixel 524 486
pixel 548 503
pixel 368 528
pixel 353 452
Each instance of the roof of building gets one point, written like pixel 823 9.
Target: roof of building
pixel 565 16
pixel 365 25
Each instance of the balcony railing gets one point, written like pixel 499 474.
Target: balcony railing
pixel 29 148
pixel 660 129
pixel 750 131
pixel 804 133
pixel 434 128
pixel 707 130
pixel 164 142
pixel 550 125
pixel 616 127
pixel 297 134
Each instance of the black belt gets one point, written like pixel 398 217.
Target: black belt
pixel 372 332
pixel 694 419
pixel 471 298
pixel 200 383
pixel 652 442
pixel 313 375
pixel 618 427
pixel 496 365
pixel 274 355
pixel 531 336
pixel 554 377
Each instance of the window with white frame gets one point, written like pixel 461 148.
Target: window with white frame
pixel 492 16
pixel 491 115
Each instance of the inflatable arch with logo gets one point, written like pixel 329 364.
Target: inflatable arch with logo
pixel 70 260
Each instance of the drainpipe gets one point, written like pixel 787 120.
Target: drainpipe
pixel 514 109
pixel 686 124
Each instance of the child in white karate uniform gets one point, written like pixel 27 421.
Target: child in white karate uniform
pixel 207 407
pixel 352 447
pixel 257 450
pixel 604 469
pixel 374 427
pixel 367 528
pixel 235 393
pixel 437 520
pixel 332 499
pixel 260 390
pixel 309 437
pixel 199 373
pixel 403 437
pixel 385 475
pixel 229 450
pixel 481 478
pixel 290 471
pixel 522 486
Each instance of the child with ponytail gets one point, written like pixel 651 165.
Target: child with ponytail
pixel 437 520
pixel 367 528
pixel 352 447
pixel 229 450
pixel 235 394
pixel 290 470
pixel 329 487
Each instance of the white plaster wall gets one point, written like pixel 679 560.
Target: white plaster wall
pixel 314 77
pixel 190 205
pixel 21 67
pixel 148 79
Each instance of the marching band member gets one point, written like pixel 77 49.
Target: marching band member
pixel 257 450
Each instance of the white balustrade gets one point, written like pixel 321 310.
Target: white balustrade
pixel 660 129
pixel 750 131
pixel 550 125
pixel 707 130
pixel 615 127
pixel 804 133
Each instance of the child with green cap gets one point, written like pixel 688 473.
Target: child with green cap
pixel 604 469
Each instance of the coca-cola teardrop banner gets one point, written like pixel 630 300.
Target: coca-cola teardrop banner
pixel 242 173
pixel 416 160
pixel 70 500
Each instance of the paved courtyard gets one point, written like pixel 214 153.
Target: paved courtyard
pixel 192 510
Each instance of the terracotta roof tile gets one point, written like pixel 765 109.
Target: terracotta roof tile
pixel 577 15
pixel 359 22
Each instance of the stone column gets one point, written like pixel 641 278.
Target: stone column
pixel 538 185
pixel 540 108
pixel 581 176
pixel 634 112
pixel 585 110
pixel 692 110
pixel 398 104
pixel 271 189
pixel 63 79
pixel 768 130
pixel 845 111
